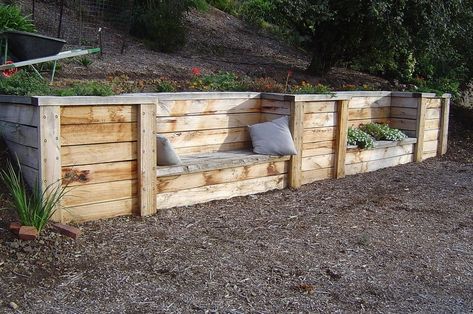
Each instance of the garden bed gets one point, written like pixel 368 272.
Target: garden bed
pixel 105 147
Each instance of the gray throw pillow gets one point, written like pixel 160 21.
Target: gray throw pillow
pixel 272 138
pixel 166 154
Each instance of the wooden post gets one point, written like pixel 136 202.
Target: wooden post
pixel 341 139
pixel 297 131
pixel 147 158
pixel 443 136
pixel 420 127
pixel 49 136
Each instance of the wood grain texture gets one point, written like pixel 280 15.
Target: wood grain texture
pixel 431 135
pixel 318 148
pixel 354 157
pixel 341 138
pixel 147 159
pixel 97 153
pixel 430 146
pixel 212 177
pixel 97 114
pixel 320 106
pixel 99 173
pixel 101 210
pixel 432 114
pixel 196 123
pixel 404 113
pixel 213 148
pixel 27 156
pixel 319 120
pixel 368 166
pixel 318 162
pixel 317 175
pixel 220 191
pixel 190 107
pixel 404 102
pixel 403 124
pixel 296 124
pixel 208 137
pixel 370 102
pixel 278 107
pixel 357 123
pixel 368 113
pixel 319 134
pixel 420 129
pixel 443 136
pixel 20 134
pixel 100 192
pixel 80 134
pixel 20 114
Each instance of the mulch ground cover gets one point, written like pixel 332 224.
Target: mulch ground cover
pixel 395 240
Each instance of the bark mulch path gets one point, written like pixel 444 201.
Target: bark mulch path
pixel 395 240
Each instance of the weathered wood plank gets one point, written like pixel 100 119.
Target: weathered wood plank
pixel 213 148
pixel 403 124
pixel 30 175
pixel 320 106
pixel 199 179
pixel 316 175
pixel 297 130
pixel 98 133
pixel 28 156
pixel 357 123
pixel 374 165
pixel 420 129
pixel 318 162
pixel 443 136
pixel 404 102
pixel 278 107
pixel 166 108
pixel 384 144
pixel 427 155
pixel 195 123
pixel 433 124
pixel 318 148
pixel 341 138
pixel 100 192
pixel 21 114
pixel 368 113
pixel 432 114
pixel 430 146
pixel 208 137
pixel 265 117
pixel 370 102
pixel 97 153
pixel 433 102
pixel 99 173
pixel 220 191
pixel 431 135
pixel 354 157
pixel 101 210
pixel 147 159
pixel 319 134
pixel 319 120
pixel 20 134
pixel 404 113
pixel 97 114
pixel 50 151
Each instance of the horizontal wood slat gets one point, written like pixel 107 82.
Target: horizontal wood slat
pixel 97 153
pixel 20 134
pixel 378 154
pixel 98 133
pixel 317 175
pixel 368 113
pixel 174 108
pixel 320 106
pixel 101 210
pixel 318 148
pixel 208 137
pixel 319 135
pixel 196 123
pixel 366 102
pixel 97 114
pixel 275 107
pixel 318 162
pixel 357 123
pixel 99 173
pixel 377 164
pixel 404 113
pixel 319 120
pixel 28 156
pixel 21 114
pixel 100 192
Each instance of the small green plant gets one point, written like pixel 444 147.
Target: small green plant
pixel 85 61
pixel 24 83
pixel 11 18
pixel 221 81
pixel 307 88
pixel 91 88
pixel 382 132
pixel 34 208
pixel 359 138
pixel 165 86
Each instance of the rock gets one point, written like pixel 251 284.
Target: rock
pixel 68 231
pixel 28 233
pixel 13 305
pixel 15 227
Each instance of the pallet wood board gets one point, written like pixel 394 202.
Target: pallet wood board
pixel 378 164
pixel 97 114
pixel 20 114
pixel 98 153
pixel 20 134
pixel 99 173
pixel 220 191
pixel 212 177
pixel 196 123
pixel 100 192
pixel 101 210
pixel 80 134
pixel 176 108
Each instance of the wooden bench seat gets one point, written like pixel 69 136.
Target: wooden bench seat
pixel 216 160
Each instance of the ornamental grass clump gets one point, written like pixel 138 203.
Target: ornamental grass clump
pixel 359 138
pixel 382 132
pixel 34 208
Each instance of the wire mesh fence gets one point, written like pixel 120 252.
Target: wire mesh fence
pixel 99 23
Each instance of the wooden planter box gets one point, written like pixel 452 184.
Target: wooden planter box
pixel 106 147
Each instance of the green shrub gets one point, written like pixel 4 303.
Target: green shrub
pixel 359 138
pixel 165 86
pixel 12 18
pixel 307 88
pixel 382 132
pixel 256 12
pixel 91 88
pixel 200 5
pixel 36 207
pixel 221 81
pixel 24 83
pixel 229 6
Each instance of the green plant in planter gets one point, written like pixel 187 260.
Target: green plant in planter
pixel 34 208
pixel 359 138
pixel 24 83
pixel 12 18
pixel 91 88
pixel 382 132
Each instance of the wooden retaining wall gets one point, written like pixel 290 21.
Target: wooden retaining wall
pixel 105 147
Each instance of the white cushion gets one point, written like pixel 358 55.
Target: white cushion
pixel 272 138
pixel 166 154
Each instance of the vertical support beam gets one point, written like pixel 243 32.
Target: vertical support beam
pixel 147 158
pixel 49 134
pixel 341 138
pixel 297 131
pixel 420 127
pixel 443 136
